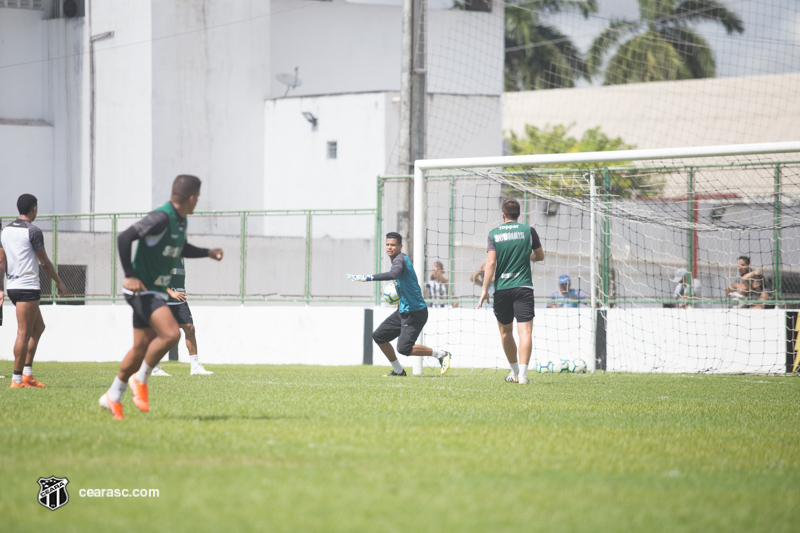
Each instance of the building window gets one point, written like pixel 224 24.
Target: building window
pixel 332 149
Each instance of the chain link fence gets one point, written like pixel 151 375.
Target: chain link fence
pixel 270 256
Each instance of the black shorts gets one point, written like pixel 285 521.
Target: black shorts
pixel 406 326
pixel 143 306
pixel 182 313
pixel 514 303
pixel 24 295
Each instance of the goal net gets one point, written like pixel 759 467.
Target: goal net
pixel 673 260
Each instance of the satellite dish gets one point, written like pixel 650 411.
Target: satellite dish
pixel 290 80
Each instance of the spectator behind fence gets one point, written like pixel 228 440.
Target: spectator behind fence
pixel 477 278
pixel 565 292
pixel 437 287
pixel 681 292
pixel 755 292
pixel 742 268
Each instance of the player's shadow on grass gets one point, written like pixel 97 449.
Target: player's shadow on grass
pixel 215 418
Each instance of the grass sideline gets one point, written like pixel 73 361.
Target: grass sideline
pixel 291 448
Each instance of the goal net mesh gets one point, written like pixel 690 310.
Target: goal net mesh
pixel 669 234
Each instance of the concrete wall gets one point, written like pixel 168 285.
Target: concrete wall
pixel 670 340
pixel 123 92
pixel 668 114
pixel 343 47
pixel 298 172
pixel 211 72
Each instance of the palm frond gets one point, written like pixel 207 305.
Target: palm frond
pixel 709 10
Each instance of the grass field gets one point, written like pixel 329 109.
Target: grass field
pixel 281 448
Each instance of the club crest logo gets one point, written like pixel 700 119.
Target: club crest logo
pixel 53 492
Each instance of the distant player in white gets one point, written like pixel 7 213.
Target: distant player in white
pixel 21 253
pixel 179 306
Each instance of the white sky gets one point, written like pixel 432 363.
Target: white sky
pixel 770 43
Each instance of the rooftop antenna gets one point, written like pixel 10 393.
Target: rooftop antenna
pixel 290 80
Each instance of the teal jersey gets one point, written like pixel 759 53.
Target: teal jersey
pixel 407 285
pixel 178 282
pixel 157 255
pixel 513 243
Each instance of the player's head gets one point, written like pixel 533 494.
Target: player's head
pixel 510 209
pixel 27 204
pixel 563 283
pixel 438 266
pixel 744 265
pixel 186 191
pixel 394 243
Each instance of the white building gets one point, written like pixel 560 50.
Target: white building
pixel 101 110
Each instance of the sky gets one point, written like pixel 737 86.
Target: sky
pixel 770 43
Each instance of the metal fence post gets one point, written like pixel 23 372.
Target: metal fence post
pixel 378 236
pixel 113 258
pixel 691 214
pixel 243 257
pixel 777 276
pixel 308 257
pixel 53 293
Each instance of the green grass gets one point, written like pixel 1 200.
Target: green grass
pixel 277 448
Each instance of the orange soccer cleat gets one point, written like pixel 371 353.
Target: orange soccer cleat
pixel 32 381
pixel 114 407
pixel 21 385
pixel 139 391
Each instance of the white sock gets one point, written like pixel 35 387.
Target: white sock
pixel 16 378
pixel 27 370
pixel 117 390
pixel 398 368
pixel 514 368
pixel 143 375
pixel 438 354
pixel 193 360
pixel 523 370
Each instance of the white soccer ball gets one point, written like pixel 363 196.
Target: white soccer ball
pixel 578 366
pixel 390 295
pixel 561 366
pixel 543 367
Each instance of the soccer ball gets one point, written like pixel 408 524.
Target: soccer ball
pixel 543 367
pixel 578 366
pixel 562 366
pixel 390 295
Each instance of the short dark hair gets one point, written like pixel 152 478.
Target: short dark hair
pixel 745 259
pixel 26 203
pixel 511 208
pixel 185 186
pixel 395 235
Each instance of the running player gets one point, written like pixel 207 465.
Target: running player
pixel 183 316
pixel 411 315
pixel 162 240
pixel 21 253
pixel 511 249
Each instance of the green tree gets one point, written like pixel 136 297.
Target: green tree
pixel 661 45
pixel 625 181
pixel 539 56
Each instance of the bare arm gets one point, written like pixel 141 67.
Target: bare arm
pixel 488 275
pixel 2 274
pixel 537 255
pixel 48 267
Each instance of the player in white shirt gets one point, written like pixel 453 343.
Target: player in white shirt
pixel 21 253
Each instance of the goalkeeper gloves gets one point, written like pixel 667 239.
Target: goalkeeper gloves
pixel 359 277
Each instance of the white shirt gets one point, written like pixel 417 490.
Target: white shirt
pixel 21 240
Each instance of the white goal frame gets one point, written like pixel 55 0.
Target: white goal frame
pixel 423 166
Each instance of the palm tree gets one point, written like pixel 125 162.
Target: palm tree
pixel 539 56
pixel 661 45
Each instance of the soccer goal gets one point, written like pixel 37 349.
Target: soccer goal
pixel 651 242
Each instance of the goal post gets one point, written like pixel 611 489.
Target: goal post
pixel 621 225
